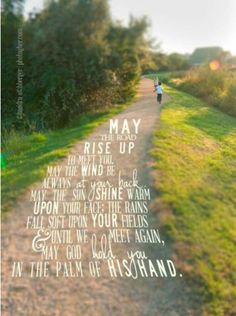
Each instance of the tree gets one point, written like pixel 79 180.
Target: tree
pixel 161 61
pixel 76 60
pixel 177 62
pixel 204 55
pixel 129 54
pixel 71 66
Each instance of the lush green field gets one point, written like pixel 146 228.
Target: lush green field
pixel 195 153
pixel 28 155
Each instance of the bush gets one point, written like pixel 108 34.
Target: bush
pixel 218 88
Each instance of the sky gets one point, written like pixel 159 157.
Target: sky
pixel 179 25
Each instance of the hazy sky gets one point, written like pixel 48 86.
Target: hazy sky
pixel 180 25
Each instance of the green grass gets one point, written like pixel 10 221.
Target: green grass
pixel 166 76
pixel 195 154
pixel 162 76
pixel 27 156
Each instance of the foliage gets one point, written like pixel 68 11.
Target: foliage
pixel 177 62
pixel 129 54
pixel 76 59
pixel 204 55
pixel 162 62
pixel 194 150
pixel 218 88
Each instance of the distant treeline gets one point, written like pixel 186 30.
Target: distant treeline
pixel 204 55
pixel 75 59
pixel 161 62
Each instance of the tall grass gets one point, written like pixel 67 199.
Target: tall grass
pixel 217 88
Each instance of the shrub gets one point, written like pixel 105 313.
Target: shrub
pixel 218 88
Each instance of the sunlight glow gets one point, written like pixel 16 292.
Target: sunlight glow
pixel 215 64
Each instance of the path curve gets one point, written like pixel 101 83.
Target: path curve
pixel 92 297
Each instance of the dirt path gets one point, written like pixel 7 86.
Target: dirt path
pixel 88 296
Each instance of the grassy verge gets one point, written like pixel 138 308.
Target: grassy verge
pixel 28 155
pixel 167 76
pixel 195 153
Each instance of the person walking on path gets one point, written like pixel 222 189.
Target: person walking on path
pixel 159 92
